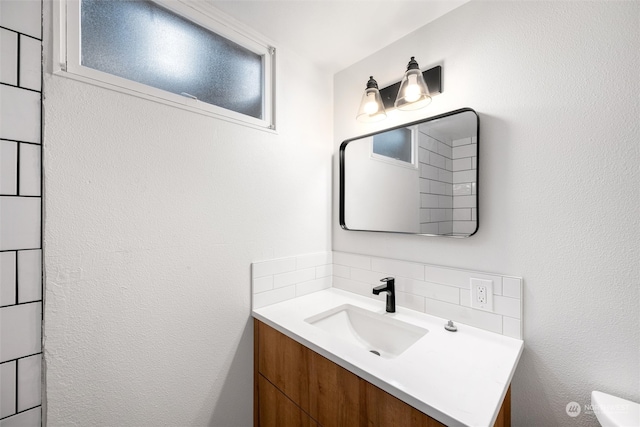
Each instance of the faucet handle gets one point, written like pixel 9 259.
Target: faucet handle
pixel 388 279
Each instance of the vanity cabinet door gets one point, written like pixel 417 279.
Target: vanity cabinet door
pixel 327 392
pixel 385 410
pixel 277 410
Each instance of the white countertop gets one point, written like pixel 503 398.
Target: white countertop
pixel 460 378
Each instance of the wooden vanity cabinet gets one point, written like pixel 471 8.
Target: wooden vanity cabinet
pixel 295 386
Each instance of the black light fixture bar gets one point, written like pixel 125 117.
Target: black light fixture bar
pixel 433 78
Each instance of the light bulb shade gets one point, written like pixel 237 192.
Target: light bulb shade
pixel 371 107
pixel 413 93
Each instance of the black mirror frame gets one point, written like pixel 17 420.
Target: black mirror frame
pixel 428 119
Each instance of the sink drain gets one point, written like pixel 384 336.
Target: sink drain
pixel 374 352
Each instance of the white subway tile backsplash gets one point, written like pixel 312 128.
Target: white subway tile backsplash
pixel 313 260
pixel 430 290
pixel 29 170
pixel 341 271
pixel 29 382
pixel 262 284
pixel 352 260
pixel 440 291
pixel 29 275
pixel 19 222
pixel 359 288
pixel 30 60
pixel 293 277
pixel 324 271
pixel 311 286
pixel 460 278
pixel 7 278
pixel 9 55
pixel 8 167
pixel 512 327
pixel 411 270
pixel 414 302
pixel 19 113
pixel 276 266
pixel 506 306
pixel 23 16
pixel 7 389
pixel 368 276
pixel 20 330
pixel 511 287
pixel 467 315
pixel 273 296
pixel 32 417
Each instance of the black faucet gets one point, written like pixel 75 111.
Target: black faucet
pixel 390 288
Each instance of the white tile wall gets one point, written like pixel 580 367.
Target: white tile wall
pixel 29 275
pixel 29 394
pixel 8 167
pixel 20 113
pixel 281 279
pixel 20 330
pixel 9 52
pixel 23 16
pixel 30 170
pixel 7 278
pixel 30 60
pixel 440 291
pixel 19 222
pixel 32 417
pixel 20 212
pixel 7 389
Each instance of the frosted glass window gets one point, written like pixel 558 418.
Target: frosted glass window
pixel 395 144
pixel 146 43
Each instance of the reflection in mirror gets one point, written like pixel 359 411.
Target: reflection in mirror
pixel 419 178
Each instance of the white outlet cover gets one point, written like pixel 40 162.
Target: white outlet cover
pixel 476 286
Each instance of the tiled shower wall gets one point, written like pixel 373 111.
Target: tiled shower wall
pixel 436 178
pixel 465 173
pixel 448 174
pixel 20 213
pixel 439 291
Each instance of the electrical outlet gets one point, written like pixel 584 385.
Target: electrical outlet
pixel 482 294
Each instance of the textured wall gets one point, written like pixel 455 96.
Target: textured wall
pixel 557 89
pixel 153 216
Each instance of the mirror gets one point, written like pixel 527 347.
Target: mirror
pixel 419 178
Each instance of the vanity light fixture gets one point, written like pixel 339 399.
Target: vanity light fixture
pixel 371 107
pixel 413 92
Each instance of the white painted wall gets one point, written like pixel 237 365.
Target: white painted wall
pixel 557 89
pixel 373 200
pixel 153 216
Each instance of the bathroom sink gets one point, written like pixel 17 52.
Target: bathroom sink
pixel 377 333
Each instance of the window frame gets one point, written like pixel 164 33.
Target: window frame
pixel 413 164
pixel 67 51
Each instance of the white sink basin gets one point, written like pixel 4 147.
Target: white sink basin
pixel 381 333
